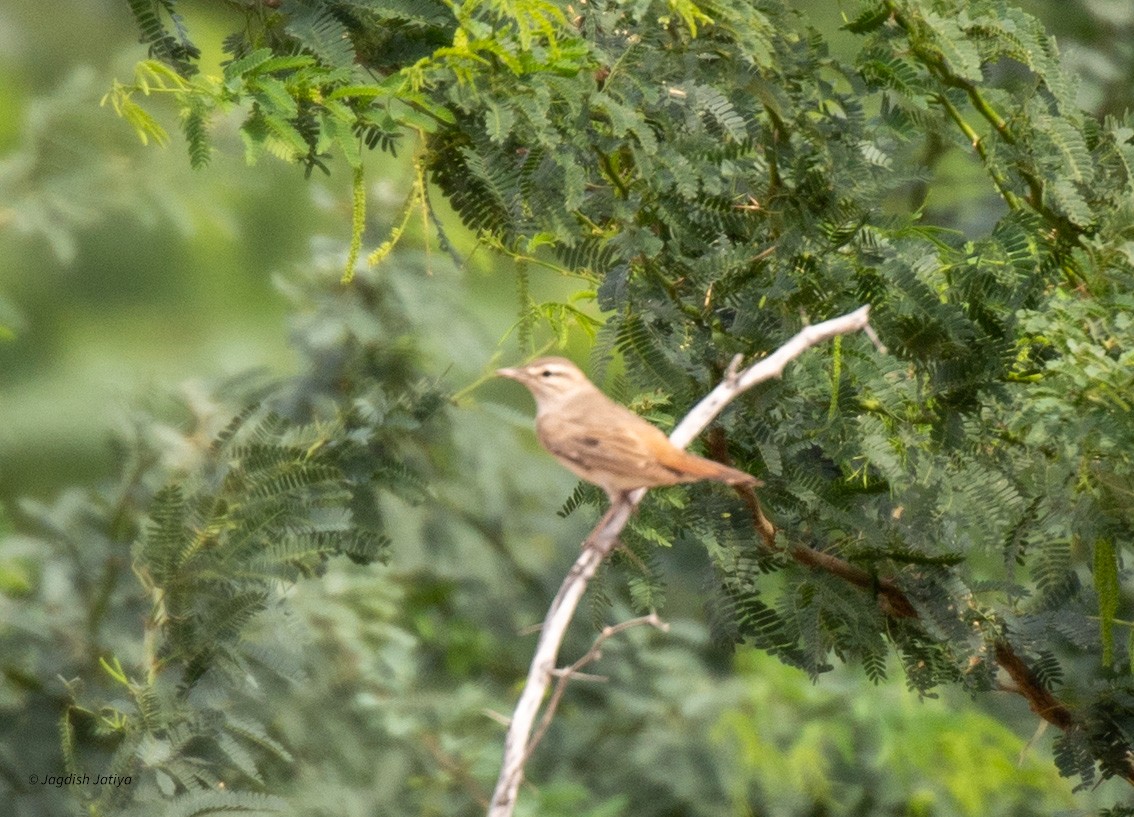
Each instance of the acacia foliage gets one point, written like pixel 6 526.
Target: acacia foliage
pixel 716 177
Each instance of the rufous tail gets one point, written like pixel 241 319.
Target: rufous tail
pixel 701 468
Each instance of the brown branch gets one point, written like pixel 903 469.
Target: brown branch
pixel 896 604
pixel 891 598
pixel 1041 701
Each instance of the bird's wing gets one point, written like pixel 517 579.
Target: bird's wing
pixel 609 445
pixel 611 449
pixel 621 452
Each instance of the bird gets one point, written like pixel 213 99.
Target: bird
pixel 603 442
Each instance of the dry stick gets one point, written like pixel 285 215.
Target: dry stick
pixel 605 536
pixel 563 676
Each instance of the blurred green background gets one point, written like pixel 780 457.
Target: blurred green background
pixel 124 275
pixel 121 269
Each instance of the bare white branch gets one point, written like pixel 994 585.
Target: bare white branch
pixel 563 676
pixel 698 419
pixel 604 537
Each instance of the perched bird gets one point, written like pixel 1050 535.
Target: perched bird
pixel 605 443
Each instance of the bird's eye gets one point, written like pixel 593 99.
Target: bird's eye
pixel 546 373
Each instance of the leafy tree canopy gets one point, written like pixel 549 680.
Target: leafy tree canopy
pixel 713 177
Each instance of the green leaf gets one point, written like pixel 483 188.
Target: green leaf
pixel 288 135
pixel 869 19
pixel 281 64
pixel 1107 588
pixel 246 64
pixel 319 30
pixel 144 124
pixel 276 97
pixel 955 46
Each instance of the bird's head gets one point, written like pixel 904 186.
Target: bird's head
pixel 549 379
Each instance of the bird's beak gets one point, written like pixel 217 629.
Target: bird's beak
pixel 514 374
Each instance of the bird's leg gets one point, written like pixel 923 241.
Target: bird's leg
pixel 615 498
pixel 598 527
pixel 622 497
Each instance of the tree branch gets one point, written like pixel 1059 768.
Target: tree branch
pixel 517 743
pixel 564 676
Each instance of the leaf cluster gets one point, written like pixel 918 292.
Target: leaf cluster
pixel 297 75
pixel 177 578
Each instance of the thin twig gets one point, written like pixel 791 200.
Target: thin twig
pixel 460 774
pixel 733 370
pixel 604 537
pixel 564 676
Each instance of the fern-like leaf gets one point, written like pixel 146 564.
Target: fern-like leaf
pixel 318 30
